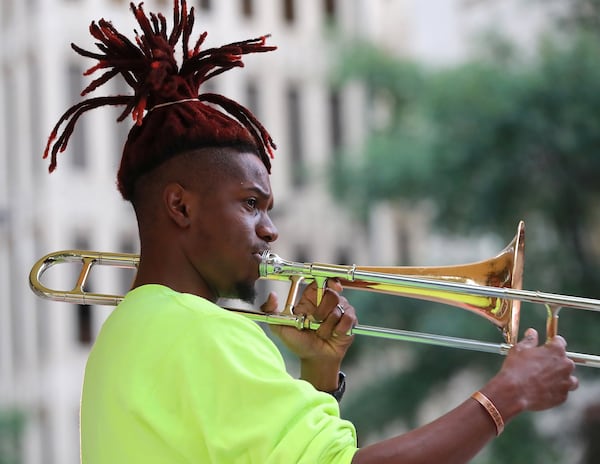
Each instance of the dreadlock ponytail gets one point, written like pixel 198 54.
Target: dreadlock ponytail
pixel 170 113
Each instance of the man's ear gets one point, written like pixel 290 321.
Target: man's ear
pixel 176 201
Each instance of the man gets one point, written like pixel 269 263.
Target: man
pixel 174 378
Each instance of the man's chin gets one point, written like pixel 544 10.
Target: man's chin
pixel 245 292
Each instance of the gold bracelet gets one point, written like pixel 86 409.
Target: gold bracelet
pixel 491 409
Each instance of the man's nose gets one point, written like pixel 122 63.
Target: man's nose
pixel 267 230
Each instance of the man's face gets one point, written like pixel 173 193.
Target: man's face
pixel 231 227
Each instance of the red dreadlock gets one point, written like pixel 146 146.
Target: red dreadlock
pixel 178 118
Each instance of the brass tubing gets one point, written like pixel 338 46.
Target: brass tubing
pixel 89 259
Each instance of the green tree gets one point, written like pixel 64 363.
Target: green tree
pixel 489 142
pixel 11 427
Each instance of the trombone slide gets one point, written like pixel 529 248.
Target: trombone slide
pixel 473 296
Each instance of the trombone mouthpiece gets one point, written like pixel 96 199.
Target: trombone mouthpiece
pixel 274 267
pixel 268 261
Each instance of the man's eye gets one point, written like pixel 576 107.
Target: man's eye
pixel 251 202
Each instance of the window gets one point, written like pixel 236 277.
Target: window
pixel 84 324
pixel 77 143
pixel 335 120
pixel 301 255
pixel 289 11
pixel 329 10
pixel 205 5
pixel 252 97
pixel 295 136
pixel 247 8
pixel 404 245
pixel 343 257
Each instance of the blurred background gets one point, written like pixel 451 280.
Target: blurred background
pixel 409 133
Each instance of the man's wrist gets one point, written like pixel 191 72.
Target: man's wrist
pixel 324 376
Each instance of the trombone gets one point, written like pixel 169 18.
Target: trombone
pixel 490 288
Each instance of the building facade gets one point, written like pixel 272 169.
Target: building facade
pixel 44 345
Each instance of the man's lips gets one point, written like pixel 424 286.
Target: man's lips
pixel 259 253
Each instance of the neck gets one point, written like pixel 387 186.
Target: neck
pixel 171 269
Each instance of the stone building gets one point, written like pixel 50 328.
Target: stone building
pixel 44 345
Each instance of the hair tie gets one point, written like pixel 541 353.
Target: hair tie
pixel 161 105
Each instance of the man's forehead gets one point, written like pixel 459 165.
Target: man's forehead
pixel 222 163
pixel 236 169
pixel 254 175
pixel 246 166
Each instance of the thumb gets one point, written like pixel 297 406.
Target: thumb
pixel 530 339
pixel 270 306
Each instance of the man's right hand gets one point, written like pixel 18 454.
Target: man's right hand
pixel 538 376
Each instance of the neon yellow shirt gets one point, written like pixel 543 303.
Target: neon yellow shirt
pixel 173 378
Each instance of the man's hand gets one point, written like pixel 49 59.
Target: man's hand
pixel 533 377
pixel 321 351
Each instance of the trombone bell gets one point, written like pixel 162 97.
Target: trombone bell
pixel 502 271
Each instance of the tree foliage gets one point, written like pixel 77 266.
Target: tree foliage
pixel 11 428
pixel 497 139
pixel 491 142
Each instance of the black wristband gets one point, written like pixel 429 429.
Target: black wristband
pixel 339 391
